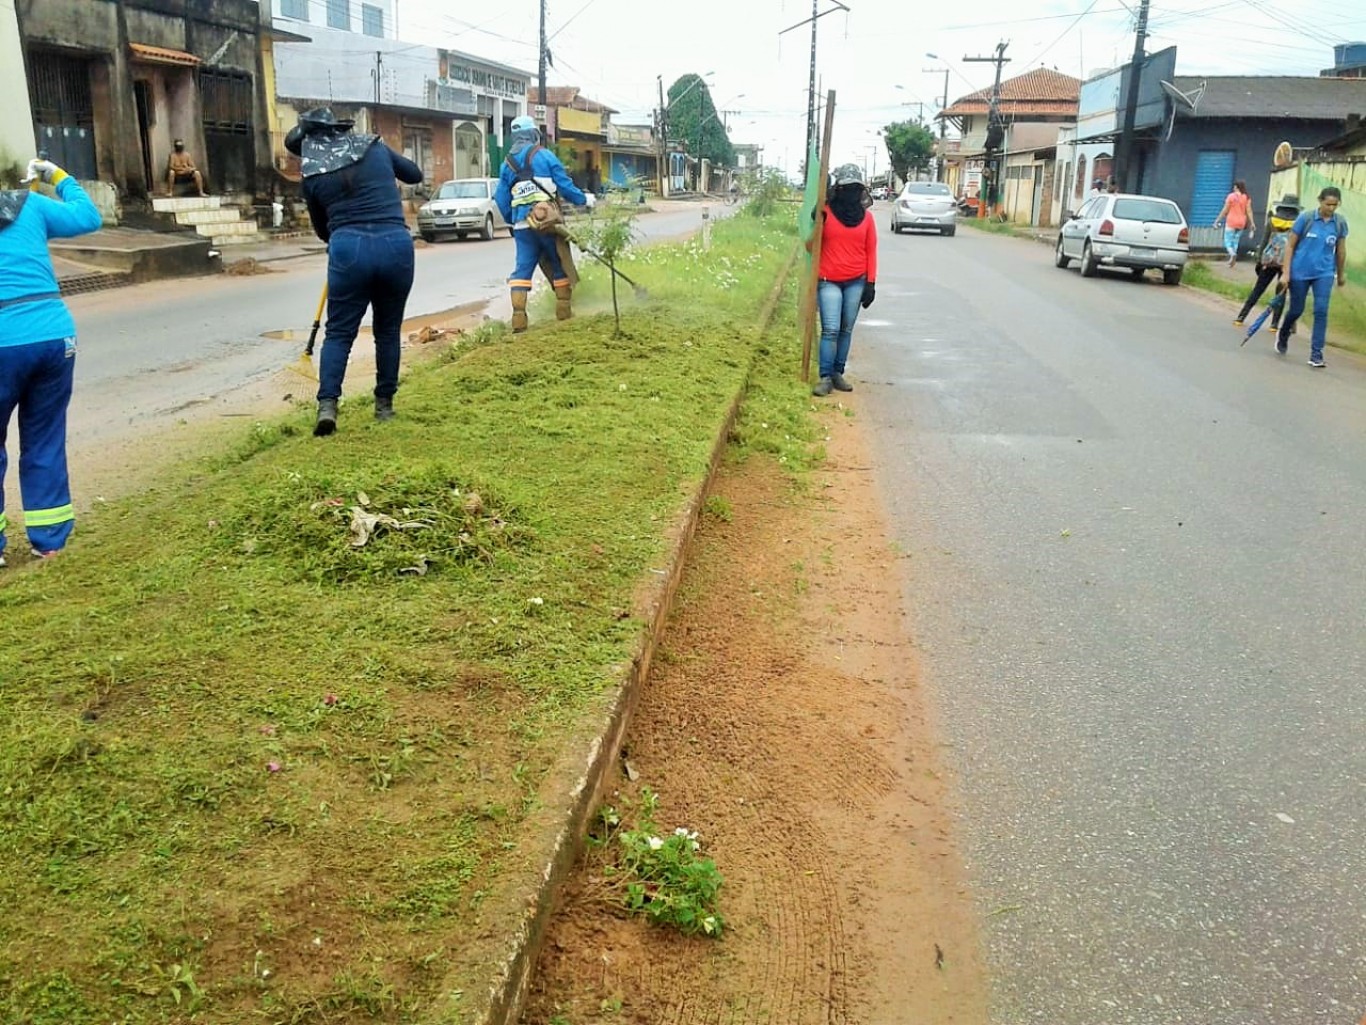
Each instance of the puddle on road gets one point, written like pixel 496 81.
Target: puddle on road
pixel 442 318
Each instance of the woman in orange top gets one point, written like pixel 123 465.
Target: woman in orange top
pixel 847 273
pixel 1236 216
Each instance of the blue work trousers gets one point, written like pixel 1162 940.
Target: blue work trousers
pixel 367 267
pixel 36 380
pixel 532 245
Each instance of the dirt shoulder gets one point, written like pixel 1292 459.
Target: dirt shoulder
pixel 785 721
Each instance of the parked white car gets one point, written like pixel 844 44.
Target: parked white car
pixel 461 207
pixel 1136 233
pixel 927 206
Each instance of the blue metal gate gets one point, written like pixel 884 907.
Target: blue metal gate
pixel 1213 182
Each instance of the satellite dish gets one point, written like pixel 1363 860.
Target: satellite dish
pixel 1285 153
pixel 1184 101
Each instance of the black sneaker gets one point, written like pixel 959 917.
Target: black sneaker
pixel 837 379
pixel 1317 364
pixel 1282 345
pixel 823 387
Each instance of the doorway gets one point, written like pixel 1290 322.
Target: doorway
pixel 142 98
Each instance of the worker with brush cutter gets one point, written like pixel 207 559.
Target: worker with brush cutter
pixel 356 210
pixel 532 182
pixel 38 349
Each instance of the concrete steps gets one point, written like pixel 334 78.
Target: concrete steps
pixel 221 223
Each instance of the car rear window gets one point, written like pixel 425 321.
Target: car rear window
pixel 927 189
pixel 1147 210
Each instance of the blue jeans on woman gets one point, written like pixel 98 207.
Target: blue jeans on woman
pixel 838 302
pixel 1299 292
pixel 36 379
pixel 367 266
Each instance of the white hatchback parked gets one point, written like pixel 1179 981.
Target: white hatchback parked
pixel 1137 233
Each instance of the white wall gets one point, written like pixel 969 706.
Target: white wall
pixel 16 116
pixel 316 13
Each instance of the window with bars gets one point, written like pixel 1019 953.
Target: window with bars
pixel 372 20
pixel 294 9
pixel 226 98
pixel 339 14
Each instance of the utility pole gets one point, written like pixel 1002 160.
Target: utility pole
pixel 943 122
pixel 663 145
pixel 544 102
pixel 379 72
pixel 1124 152
pixel 995 129
pixel 816 15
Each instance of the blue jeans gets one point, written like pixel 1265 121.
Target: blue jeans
pixel 1299 292
pixel 838 302
pixel 532 247
pixel 36 378
pixel 366 267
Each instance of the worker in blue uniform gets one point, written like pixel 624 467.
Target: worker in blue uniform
pixel 532 182
pixel 348 184
pixel 38 350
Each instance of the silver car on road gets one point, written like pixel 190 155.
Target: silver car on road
pixel 1137 233
pixel 927 206
pixel 461 207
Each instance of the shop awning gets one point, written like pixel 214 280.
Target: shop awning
pixel 163 55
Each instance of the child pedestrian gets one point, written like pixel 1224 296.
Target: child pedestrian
pixel 1271 257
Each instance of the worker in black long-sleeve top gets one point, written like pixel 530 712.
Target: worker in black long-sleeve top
pixel 355 207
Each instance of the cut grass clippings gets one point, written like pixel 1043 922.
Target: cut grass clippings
pixel 256 771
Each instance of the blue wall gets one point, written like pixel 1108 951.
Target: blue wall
pixel 1168 168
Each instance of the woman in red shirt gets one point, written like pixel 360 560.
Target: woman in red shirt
pixel 846 275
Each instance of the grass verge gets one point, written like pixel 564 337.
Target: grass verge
pixel 253 769
pixel 1346 317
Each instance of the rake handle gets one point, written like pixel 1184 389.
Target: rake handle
pixel 317 322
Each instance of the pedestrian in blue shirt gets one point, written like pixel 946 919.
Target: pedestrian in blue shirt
pixel 1315 255
pixel 38 350
pixel 355 208
pixel 529 188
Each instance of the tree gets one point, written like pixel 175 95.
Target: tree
pixel 910 145
pixel 694 121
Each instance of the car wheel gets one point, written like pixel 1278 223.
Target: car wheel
pixel 1089 266
pixel 487 233
pixel 1136 273
pixel 949 232
pixel 1171 277
pixel 1060 258
pixel 428 236
pixel 511 233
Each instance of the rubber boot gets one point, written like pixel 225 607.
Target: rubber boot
pixel 384 408
pixel 519 321
pixel 563 294
pixel 327 418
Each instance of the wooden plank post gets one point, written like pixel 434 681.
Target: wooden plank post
pixel 810 319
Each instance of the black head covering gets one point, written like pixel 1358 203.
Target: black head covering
pixel 11 202
pixel 846 203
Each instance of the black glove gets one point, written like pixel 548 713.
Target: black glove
pixel 869 294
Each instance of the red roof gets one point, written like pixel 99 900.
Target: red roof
pixel 1041 91
pixel 567 96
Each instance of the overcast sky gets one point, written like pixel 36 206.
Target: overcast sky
pixel 874 56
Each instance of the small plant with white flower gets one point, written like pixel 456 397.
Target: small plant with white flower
pixel 664 878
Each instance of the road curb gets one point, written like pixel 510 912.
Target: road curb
pixel 590 766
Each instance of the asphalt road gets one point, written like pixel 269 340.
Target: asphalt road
pixel 150 351
pixel 1135 566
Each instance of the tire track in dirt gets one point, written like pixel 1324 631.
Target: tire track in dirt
pixel 784 721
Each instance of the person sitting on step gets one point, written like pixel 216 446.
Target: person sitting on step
pixel 181 168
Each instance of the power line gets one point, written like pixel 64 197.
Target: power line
pixel 1061 36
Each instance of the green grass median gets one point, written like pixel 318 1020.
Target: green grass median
pixel 272 728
